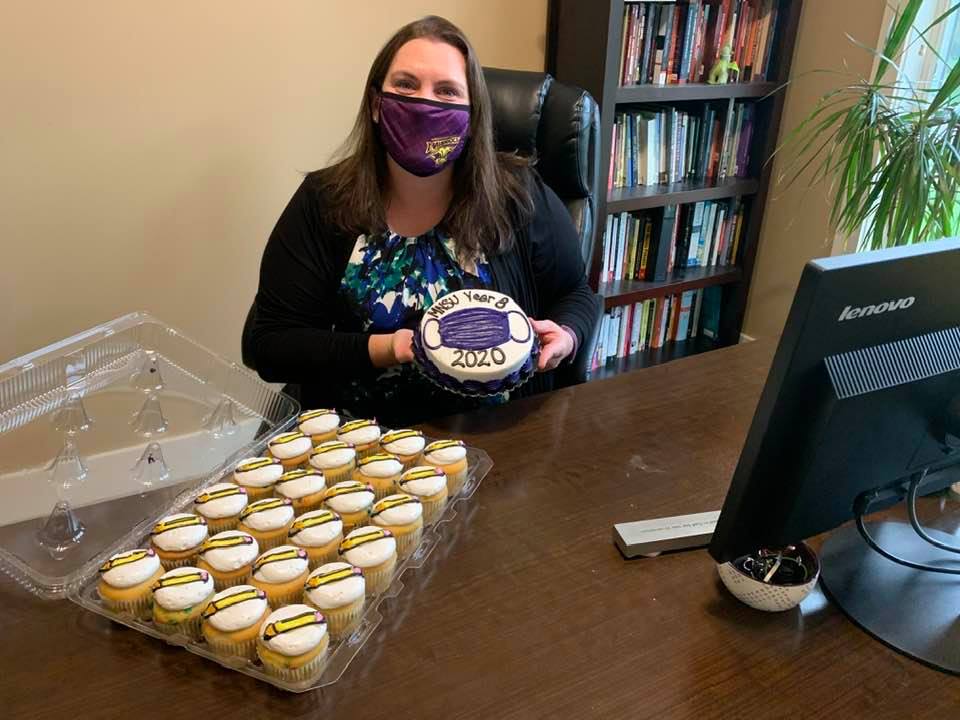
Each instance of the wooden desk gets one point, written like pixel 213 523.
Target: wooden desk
pixel 530 611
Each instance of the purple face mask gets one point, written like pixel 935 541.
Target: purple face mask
pixel 422 136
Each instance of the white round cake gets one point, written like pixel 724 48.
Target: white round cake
pixel 476 342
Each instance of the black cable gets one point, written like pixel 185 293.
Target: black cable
pixel 863 506
pixel 915 522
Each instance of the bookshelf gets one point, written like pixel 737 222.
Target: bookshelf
pixel 621 292
pixel 651 196
pixel 656 356
pixel 585 41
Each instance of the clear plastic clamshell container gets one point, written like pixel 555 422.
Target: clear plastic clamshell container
pixel 106 432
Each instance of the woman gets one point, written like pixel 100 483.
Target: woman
pixel 420 205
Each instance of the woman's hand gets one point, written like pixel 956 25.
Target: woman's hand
pixel 555 344
pixel 393 349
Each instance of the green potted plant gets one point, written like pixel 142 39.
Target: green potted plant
pixel 888 146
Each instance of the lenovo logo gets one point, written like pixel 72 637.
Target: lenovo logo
pixel 852 313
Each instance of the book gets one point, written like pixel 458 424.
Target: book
pixel 624 335
pixel 645 251
pixel 684 315
pixel 693 10
pixel 709 214
pixel 710 312
pixel 605 269
pixel 674 324
pixel 735 247
pixel 636 327
pixel 695 320
pixel 696 230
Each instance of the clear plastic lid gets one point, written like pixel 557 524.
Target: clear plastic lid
pixel 104 431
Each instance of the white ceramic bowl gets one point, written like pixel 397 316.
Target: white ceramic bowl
pixel 767 596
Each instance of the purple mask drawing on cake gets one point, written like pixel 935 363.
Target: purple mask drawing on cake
pixel 475 328
pixel 422 136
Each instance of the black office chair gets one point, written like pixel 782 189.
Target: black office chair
pixel 559 125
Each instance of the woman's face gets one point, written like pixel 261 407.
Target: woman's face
pixel 430 69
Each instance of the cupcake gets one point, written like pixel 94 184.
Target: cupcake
pixel 351 500
pixel 303 487
pixel 126 580
pixel 229 556
pixel 232 620
pixel 364 435
pixel 407 445
pixel 337 590
pixel 430 485
pixel 402 515
pixel 221 505
pixel 267 521
pixel 290 448
pixel 258 475
pixel 280 573
pixel 179 598
pixel 319 532
pixel 292 643
pixel 335 459
pixel 177 539
pixel 319 425
pixel 374 550
pixel 381 471
pixel 451 457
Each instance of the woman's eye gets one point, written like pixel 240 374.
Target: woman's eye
pixel 448 92
pixel 403 84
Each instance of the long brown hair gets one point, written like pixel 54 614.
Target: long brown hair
pixel 491 195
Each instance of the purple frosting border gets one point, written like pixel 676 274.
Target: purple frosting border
pixel 474 387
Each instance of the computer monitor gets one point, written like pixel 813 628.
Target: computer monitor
pixel 862 398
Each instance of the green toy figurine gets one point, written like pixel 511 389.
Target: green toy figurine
pixel 720 72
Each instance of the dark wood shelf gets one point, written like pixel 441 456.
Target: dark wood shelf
pixel 632 94
pixel 651 196
pixel 655 356
pixel 624 292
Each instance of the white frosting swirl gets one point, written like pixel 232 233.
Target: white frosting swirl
pixel 372 552
pixel 280 571
pixel 426 486
pixel 380 466
pixel 239 616
pixel 186 595
pixel 294 642
pixel 178 539
pixel 131 573
pixel 316 535
pixel 399 509
pixel 403 442
pixel 359 434
pixel 300 483
pixel 228 559
pixel 269 519
pixel 290 445
pixel 229 505
pixel 332 454
pixel 341 591
pixel 319 424
pixel 360 497
pixel 444 455
pixel 264 473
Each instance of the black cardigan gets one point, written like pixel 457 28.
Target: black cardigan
pixel 304 332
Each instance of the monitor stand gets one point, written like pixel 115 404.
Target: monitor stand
pixel 913 611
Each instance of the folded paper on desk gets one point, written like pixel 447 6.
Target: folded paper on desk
pixel 650 537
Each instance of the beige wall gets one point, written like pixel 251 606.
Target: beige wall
pixel 147 149
pixel 795 226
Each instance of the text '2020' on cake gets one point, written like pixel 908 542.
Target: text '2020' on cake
pixel 476 342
